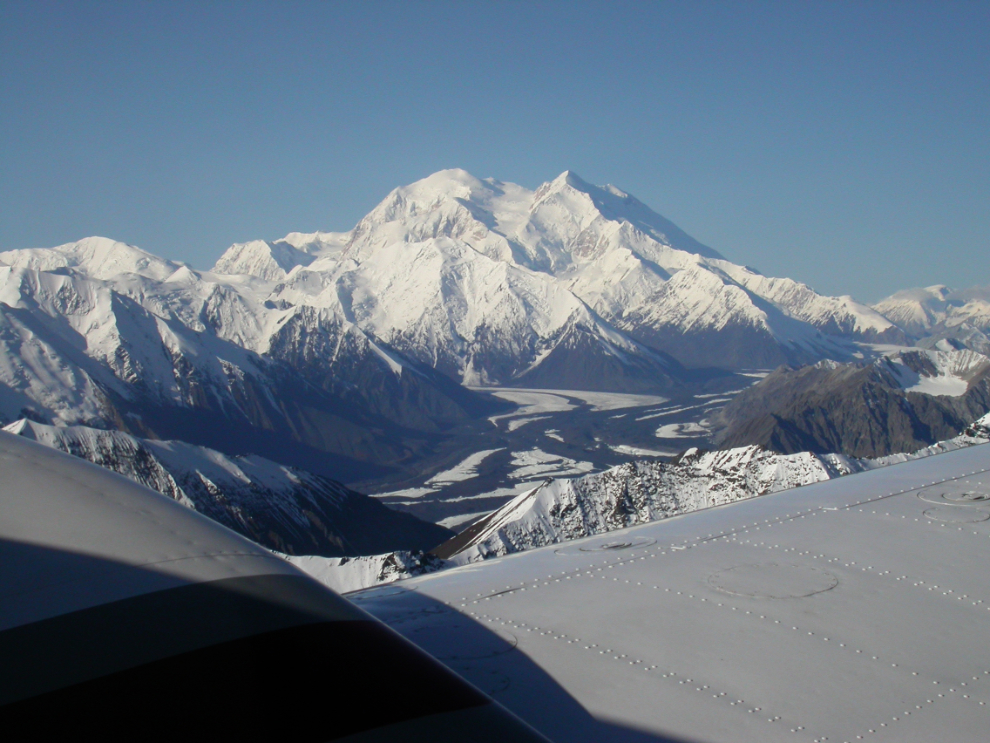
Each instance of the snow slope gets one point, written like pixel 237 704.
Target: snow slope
pixel 938 372
pixel 345 574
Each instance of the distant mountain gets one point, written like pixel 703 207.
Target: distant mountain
pixel 282 508
pixel 894 404
pixel 638 492
pixel 942 318
pixel 487 282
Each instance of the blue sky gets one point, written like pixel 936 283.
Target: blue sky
pixel 844 144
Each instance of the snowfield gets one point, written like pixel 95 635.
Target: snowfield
pixel 948 372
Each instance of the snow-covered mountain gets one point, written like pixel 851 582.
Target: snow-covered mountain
pixel 95 257
pixel 282 508
pixel 942 318
pixel 488 282
pixel 102 334
pixel 638 492
pixel 357 344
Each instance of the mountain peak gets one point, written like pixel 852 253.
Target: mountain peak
pixel 568 180
pixel 572 179
pixel 452 182
pixel 617 205
pixel 96 257
pixel 270 261
pixel 938 290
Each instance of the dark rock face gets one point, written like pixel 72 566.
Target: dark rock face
pixel 861 411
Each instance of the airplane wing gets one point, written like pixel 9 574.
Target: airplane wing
pixel 850 610
pixel 124 615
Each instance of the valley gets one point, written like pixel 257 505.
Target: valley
pixel 550 434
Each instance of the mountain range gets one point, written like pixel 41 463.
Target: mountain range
pixel 337 356
pixel 345 352
pixel 942 318
pixel 102 334
pixel 491 283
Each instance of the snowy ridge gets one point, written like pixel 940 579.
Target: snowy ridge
pixel 638 492
pixel 96 257
pixel 345 574
pixel 266 260
pixel 273 261
pixel 282 508
pixel 70 337
pixel 915 310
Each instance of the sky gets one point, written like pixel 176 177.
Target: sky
pixel 843 144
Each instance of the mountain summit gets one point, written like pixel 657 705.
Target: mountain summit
pixel 485 280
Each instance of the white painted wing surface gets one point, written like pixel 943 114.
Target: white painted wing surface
pixel 854 609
